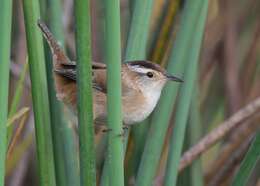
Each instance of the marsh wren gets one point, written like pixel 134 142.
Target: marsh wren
pixel 142 83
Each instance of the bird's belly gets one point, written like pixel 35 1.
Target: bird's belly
pixel 132 113
pixel 139 112
pixel 135 117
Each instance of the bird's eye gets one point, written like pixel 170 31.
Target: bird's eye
pixel 149 74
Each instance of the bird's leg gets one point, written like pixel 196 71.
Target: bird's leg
pixel 122 134
pixel 125 127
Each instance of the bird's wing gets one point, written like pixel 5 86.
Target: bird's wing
pixel 95 65
pixel 68 71
pixel 99 80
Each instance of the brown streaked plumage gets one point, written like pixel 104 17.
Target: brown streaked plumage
pixel 142 82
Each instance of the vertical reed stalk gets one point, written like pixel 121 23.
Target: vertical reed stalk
pixel 162 113
pixel 192 175
pixel 56 20
pixel 84 82
pixel 5 45
pixel 39 93
pixel 186 93
pixel 194 131
pixel 137 49
pixel 63 141
pixel 138 34
pixel 113 58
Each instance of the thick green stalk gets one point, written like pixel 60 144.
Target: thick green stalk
pixel 57 125
pixel 249 162
pixel 84 82
pixel 186 93
pixel 192 175
pixel 162 113
pixel 195 132
pixel 113 58
pixel 185 176
pixel 137 49
pixel 39 93
pixel 63 141
pixel 5 45
pixel 56 20
pixel 105 174
pixel 139 29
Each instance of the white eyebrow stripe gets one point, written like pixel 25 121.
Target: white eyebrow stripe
pixel 139 69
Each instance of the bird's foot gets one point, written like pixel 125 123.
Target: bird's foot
pixel 106 130
pixel 124 132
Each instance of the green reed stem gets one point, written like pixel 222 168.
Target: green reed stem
pixel 63 140
pixel 137 49
pixel 195 131
pixel 5 46
pixel 84 82
pixel 113 58
pixel 186 93
pixel 162 113
pixel 139 29
pixel 56 20
pixel 39 93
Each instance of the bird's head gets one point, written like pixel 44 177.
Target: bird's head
pixel 149 76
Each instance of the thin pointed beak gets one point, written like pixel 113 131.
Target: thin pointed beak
pixel 173 78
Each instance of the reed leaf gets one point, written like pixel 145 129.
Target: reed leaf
pixel 18 152
pixel 248 163
pixel 84 82
pixel 16 116
pixel 17 134
pixel 186 93
pixel 113 58
pixel 39 93
pixel 5 45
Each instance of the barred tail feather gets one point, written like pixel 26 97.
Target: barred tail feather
pixel 59 56
pixel 65 88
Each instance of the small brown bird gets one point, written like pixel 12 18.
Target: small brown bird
pixel 142 83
